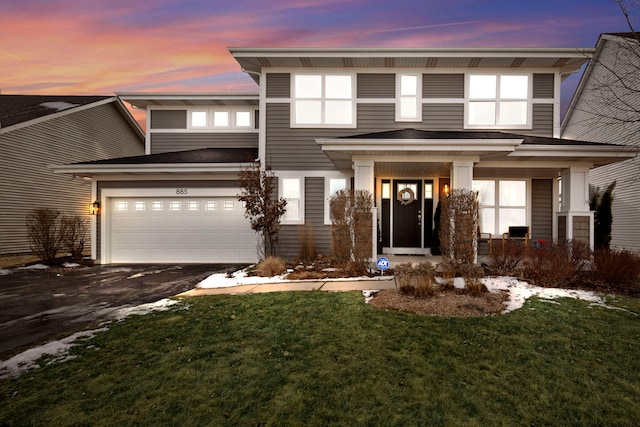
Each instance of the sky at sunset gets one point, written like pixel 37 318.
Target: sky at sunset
pixel 96 47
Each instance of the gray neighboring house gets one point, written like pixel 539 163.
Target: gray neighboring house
pixel 39 130
pixel 407 125
pixel 606 107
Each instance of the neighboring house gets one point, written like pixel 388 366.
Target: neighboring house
pixel 37 131
pixel 606 107
pixel 406 125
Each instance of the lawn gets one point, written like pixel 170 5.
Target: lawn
pixel 314 358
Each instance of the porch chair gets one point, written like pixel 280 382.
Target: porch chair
pixel 517 232
pixel 485 238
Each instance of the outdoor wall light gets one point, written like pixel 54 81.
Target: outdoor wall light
pixel 446 189
pixel 95 208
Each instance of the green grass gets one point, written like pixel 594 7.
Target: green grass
pixel 312 358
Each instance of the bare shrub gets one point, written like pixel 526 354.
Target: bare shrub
pixel 474 286
pixel 447 272
pixel 403 274
pixel 44 233
pixel 618 268
pixel 270 266
pixel 307 239
pixel 557 265
pixel 459 226
pixel 418 281
pixel 505 258
pixel 351 228
pixel 74 230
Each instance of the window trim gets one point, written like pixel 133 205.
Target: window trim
pixel 498 101
pixel 301 210
pixel 231 127
pixel 417 97
pixel 323 101
pixel 496 206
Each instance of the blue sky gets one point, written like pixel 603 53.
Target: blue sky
pixel 102 47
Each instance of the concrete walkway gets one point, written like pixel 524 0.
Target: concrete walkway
pixel 328 285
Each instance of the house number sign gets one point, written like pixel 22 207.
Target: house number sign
pixel 182 191
pixel 406 196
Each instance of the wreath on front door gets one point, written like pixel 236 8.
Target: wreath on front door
pixel 406 196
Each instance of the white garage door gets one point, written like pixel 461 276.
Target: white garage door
pixel 193 230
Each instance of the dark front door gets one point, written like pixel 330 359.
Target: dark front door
pixel 407 214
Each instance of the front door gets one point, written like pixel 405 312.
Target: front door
pixel 407 214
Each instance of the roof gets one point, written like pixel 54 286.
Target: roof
pixel 143 100
pixel 204 155
pixel 16 109
pixel 566 60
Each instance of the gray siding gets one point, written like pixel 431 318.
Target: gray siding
pixel 542 120
pixel 543 85
pixel 167 142
pixel 376 85
pixel 542 209
pixel 168 119
pixel 278 85
pixel 289 241
pixel 443 86
pixel 443 116
pixel 27 182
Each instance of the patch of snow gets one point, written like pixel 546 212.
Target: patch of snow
pixel 70 264
pixel 34 267
pixel 161 305
pixel 27 359
pixel 5 272
pixel 58 105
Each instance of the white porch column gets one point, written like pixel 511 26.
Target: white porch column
pixel 462 175
pixel 363 179
pixel 575 220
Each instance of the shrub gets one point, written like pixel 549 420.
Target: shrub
pixel 44 233
pixel 459 226
pixel 447 272
pixel 474 286
pixel 556 265
pixel 617 268
pixel 270 266
pixel 505 257
pixel 351 229
pixel 418 281
pixel 307 239
pixel 74 234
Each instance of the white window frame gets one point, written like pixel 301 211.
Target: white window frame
pixel 190 113
pixel 328 195
pixel 230 127
pixel 499 101
pixel 301 197
pixel 417 98
pixel 323 99
pixel 496 206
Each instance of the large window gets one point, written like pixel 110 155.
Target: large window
pixel 323 100
pixel 503 203
pixel 292 190
pixel 408 106
pixel 498 101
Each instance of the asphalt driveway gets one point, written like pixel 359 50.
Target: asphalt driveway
pixel 37 306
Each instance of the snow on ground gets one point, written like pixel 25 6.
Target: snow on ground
pixel 161 305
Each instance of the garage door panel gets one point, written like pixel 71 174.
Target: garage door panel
pixel 204 229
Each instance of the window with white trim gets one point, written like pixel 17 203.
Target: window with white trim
pixel 408 107
pixel 331 187
pixel 291 189
pixel 198 119
pixel 503 203
pixel 498 101
pixel 323 100
pixel 221 118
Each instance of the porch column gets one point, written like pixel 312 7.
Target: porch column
pixel 363 179
pixel 462 175
pixel 575 220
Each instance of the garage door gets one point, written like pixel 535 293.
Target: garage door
pixel 167 230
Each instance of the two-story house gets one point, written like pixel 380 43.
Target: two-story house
pixel 407 125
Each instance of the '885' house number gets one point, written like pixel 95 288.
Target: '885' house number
pixel 182 191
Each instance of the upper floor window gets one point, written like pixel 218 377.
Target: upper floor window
pixel 407 100
pixel 221 118
pixel 323 100
pixel 498 101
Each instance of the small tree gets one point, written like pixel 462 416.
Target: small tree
pixel 74 234
pixel 352 228
pixel 44 233
pixel 261 207
pixel 459 226
pixel 603 218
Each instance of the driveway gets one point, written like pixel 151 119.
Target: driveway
pixel 37 306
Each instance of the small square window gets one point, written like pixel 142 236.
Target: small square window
pixel 121 206
pixel 194 206
pixel 243 119
pixel 220 118
pixel 199 119
pixel 174 206
pixel 229 205
pixel 212 205
pixel 157 206
pixel 139 206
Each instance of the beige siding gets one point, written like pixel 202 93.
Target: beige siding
pixel 167 142
pixel 27 182
pixel 443 86
pixel 168 119
pixel 278 85
pixel 443 116
pixel 542 210
pixel 376 85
